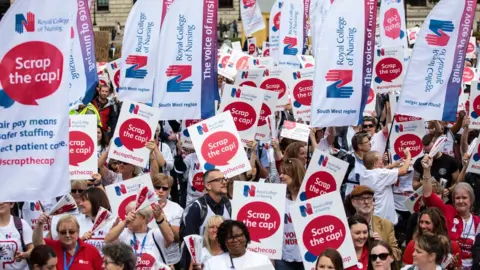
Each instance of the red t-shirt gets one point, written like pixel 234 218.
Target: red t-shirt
pixel 87 256
pixel 408 253
pixel 362 262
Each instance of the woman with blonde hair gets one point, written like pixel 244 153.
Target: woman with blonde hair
pixel 211 247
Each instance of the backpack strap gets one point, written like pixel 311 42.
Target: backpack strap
pixel 228 205
pixel 159 249
pixel 19 226
pixel 203 208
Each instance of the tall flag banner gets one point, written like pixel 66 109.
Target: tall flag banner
pixel 139 51
pixel 33 99
pixel 306 23
pixel 291 33
pixel 251 16
pixel 434 75
pixel 82 63
pixel 393 31
pixel 274 31
pixel 318 12
pixel 186 83
pixel 348 45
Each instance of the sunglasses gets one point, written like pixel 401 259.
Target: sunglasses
pixel 223 179
pixel 369 126
pixel 382 256
pixel 162 188
pixel 64 232
pixel 77 191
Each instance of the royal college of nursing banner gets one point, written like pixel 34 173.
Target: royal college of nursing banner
pixel 34 77
pixel 318 12
pixel 274 31
pixel 139 51
pixel 82 63
pixel 344 75
pixel 186 83
pixel 392 25
pixel 434 75
pixel 291 33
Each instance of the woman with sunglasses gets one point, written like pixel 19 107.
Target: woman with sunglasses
pixel 329 259
pixel 292 174
pixel 430 252
pixel 381 257
pixel 233 237
pixel 72 252
pixel 360 236
pixel 431 220
pixel 173 213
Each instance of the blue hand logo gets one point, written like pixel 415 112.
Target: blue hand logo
pixel 290 51
pixel 132 72
pixel 5 100
pixel 174 86
pixel 333 91
pixel 437 25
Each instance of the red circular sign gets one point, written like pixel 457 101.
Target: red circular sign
pixel 219 148
pixel 388 69
pixel 80 147
pixel 242 63
pixel 197 182
pixel 323 232
pixel 275 84
pixel 320 183
pixel 302 92
pixel 135 133
pixel 248 83
pixel 371 96
pixel 468 75
pixel 408 140
pixel 262 219
pixel 243 114
pixel 264 113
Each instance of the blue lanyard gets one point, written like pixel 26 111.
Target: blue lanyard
pixel 135 243
pixel 65 266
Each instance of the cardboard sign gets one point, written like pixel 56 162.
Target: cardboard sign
pixel 252 46
pixel 474 164
pixel 218 145
pixel 194 245
pixel 407 134
pixel 389 69
pixel 125 192
pixel 321 223
pixel 300 85
pixel 306 61
pixel 266 49
pixel 256 205
pixel 371 103
pixel 275 80
pixel 82 149
pixel 261 62
pixel 414 202
pixel 244 103
pixel 237 46
pixel 238 60
pixel 474 105
pixel 250 77
pixel 65 205
pixel 468 75
pixel 185 136
pixel 471 48
pixel 324 175
pixel 412 34
pixel 270 100
pixel 136 126
pixel 113 71
pixel 145 197
pixel 295 131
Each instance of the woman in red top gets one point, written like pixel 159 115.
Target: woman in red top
pixel 461 224
pixel 431 220
pixel 359 230
pixel 72 253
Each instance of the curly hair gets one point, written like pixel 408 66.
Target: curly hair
pixel 225 231
pixel 121 254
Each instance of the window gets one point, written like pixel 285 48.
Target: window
pixel 225 4
pixel 102 5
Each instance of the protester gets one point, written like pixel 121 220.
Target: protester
pixel 102 141
pixel 72 252
pixel 105 108
pixel 329 259
pixel 361 237
pixel 43 257
pixel 211 246
pixel 361 145
pixel 429 253
pixel 118 256
pixel 233 237
pixel 296 150
pixel 381 257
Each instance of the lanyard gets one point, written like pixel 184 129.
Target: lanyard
pixel 231 261
pixel 65 266
pixel 143 243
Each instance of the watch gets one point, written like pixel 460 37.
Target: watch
pixel 160 222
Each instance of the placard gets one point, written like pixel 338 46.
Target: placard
pixel 306 61
pixel 250 77
pixel 414 202
pixel 113 71
pixel 252 46
pixel 321 223
pixel 468 75
pixel 218 145
pixel 371 103
pixel 300 85
pixel 274 79
pixel 412 34
pixel 474 104
pixel 256 205
pixel 295 131
pixel 407 134
pixel 238 60
pixel 389 69
pixel 474 164
pixel 135 127
pixel 237 46
pixel 270 100
pixel 266 49
pixel 244 104
pixel 82 148
pixel 471 48
pixel 185 136
pixel 251 16
pixel 324 175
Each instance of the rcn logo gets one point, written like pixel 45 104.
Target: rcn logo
pixel 266 73
pixel 340 78
pixel 244 74
pixel 381 52
pixel 134 108
pixel 439 37
pixel 297 75
pixel 306 210
pixel 203 129
pixel 114 65
pixel 256 62
pixel 249 190
pixel 288 218
pixel 35 206
pixel 290 44
pixel 137 62
pixel 28 23
pixel 178 83
pixel 120 190
pixel 236 92
pixel 398 128
pixel 414 197
pixel 323 160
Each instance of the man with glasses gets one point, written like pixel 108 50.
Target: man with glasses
pixel 199 211
pixel 361 145
pixel 378 139
pixel 362 198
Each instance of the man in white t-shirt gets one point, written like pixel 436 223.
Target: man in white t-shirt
pixel 380 179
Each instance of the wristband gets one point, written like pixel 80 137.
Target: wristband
pixel 160 222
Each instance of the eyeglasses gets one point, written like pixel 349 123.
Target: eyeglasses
pixel 232 238
pixel 65 232
pixel 369 126
pixel 223 179
pixel 162 188
pixel 364 199
pixel 76 191
pixel 382 256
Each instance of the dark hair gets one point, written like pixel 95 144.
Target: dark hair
pixel 40 255
pixel 438 222
pixel 427 139
pixel 434 244
pixel 294 168
pixel 393 265
pixel 334 256
pixel 121 254
pixel 97 199
pixel 225 230
pixel 358 138
pixel 105 140
pixel 207 173
pixel 284 143
pixel 293 150
pixel 348 205
pixel 357 219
